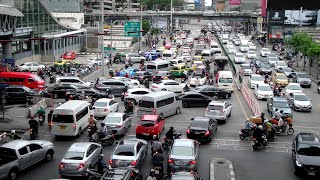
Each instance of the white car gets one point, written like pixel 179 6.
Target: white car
pixel 96 62
pixel 252 46
pixel 251 55
pixel 236 42
pixel 198 80
pixel 131 82
pixel 31 66
pixel 245 69
pixel 263 91
pixel 293 88
pixel 264 52
pixel 280 64
pixel 186 57
pixel 232 50
pixel 272 59
pixel 186 50
pixel 167 85
pixel 219 110
pixel 255 79
pixel 136 94
pixel 104 106
pixel 244 48
pixel 230 45
pixel 239 58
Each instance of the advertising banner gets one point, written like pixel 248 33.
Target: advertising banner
pixel 235 2
pixel 305 18
pixel 263 8
pixel 276 16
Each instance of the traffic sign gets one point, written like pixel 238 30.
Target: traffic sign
pixel 132 29
pixel 109 48
pixel 132 34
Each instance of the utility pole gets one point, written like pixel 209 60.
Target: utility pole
pixel 140 33
pixel 102 36
pixel 171 19
pixel 300 17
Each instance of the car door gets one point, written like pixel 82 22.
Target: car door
pixel 24 157
pixel 198 100
pixel 160 124
pixel 37 153
pixel 113 105
pixel 139 153
pixel 126 120
pixel 227 108
pixel 176 86
pixel 118 88
pixel 68 89
pixel 92 154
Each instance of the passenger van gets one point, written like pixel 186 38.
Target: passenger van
pixel 72 80
pixel 225 38
pixel 214 46
pixel 161 103
pixel 207 54
pixel 168 55
pixel 71 118
pixel 158 65
pixel 27 79
pixel 225 80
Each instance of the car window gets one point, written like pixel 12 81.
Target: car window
pixel 23 151
pixel 182 151
pixel 199 124
pixel 91 149
pixel 73 155
pixel 31 80
pixel 34 147
pixel 139 146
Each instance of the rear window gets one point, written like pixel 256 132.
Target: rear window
pixel 113 120
pixel 147 123
pixel 225 80
pixel 124 152
pixel 72 155
pixel 200 124
pixel 62 118
pixel 146 104
pixel 100 104
pixel 182 151
pixel 215 107
pixel 6 152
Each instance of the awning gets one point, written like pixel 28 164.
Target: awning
pixel 10 11
pixel 275 36
pixel 52 36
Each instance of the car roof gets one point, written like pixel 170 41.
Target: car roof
pixel 80 146
pixel 115 114
pixel 67 77
pixel 16 144
pixel 138 89
pixel 300 72
pixel 263 84
pixel 280 99
pixel 297 84
pixel 168 80
pixel 184 142
pixel 308 138
pixel 149 117
pixel 198 118
pixel 216 102
pixel 104 100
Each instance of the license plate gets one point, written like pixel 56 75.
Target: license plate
pixel 156 172
pixel 311 173
pixel 70 167
pixel 179 163
pixel 62 127
pixel 145 134
pixel 196 132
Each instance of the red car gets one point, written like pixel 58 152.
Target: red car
pixel 69 55
pixel 150 125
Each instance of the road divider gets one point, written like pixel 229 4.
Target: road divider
pixel 221 169
pixel 253 105
pixel 44 103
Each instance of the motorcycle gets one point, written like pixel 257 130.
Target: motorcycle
pixel 92 130
pixel 257 145
pixel 41 120
pixel 157 173
pixel 287 131
pixel 33 133
pixel 128 110
pixel 245 134
pixel 52 79
pixel 167 142
pixel 107 140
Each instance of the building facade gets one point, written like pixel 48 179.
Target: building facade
pixel 110 5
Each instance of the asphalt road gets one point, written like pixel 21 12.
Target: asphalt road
pixel 272 163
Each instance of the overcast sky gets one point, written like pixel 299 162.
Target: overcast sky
pixel 208 2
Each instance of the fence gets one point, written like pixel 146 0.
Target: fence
pixel 249 99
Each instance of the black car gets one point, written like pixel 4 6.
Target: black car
pixel 59 91
pixel 142 75
pixel 184 175
pixel 211 91
pixel 192 99
pixel 115 86
pixel 306 154
pixel 263 68
pixel 124 174
pixel 87 92
pixel 16 93
pixel 202 129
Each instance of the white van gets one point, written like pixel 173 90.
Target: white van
pixel 207 54
pixel 72 80
pixel 71 118
pixel 225 38
pixel 162 103
pixel 168 55
pixel 158 65
pixel 244 42
pixel 225 80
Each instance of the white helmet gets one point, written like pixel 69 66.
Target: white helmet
pixel 260 127
pixel 13 131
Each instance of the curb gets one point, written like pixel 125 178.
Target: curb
pixel 222 161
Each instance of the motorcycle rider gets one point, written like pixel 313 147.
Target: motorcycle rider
pixel 276 115
pixel 156 145
pixel 108 93
pixel 270 130
pixel 170 134
pixel 281 125
pixel 157 160
pixel 104 131
pixel 34 124
pixel 248 126
pixel 262 118
pixel 258 133
pixel 101 164
pixel 41 112
pixel 129 106
pixel 92 123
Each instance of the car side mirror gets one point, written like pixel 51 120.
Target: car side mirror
pixel 192 119
pixel 93 107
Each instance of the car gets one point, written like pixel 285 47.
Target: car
pixel 154 53
pixel 219 110
pixel 31 66
pixel 183 155
pixel 96 62
pixel 150 125
pixel 18 94
pixel 211 91
pixel 186 50
pixel 135 57
pixel 121 173
pixel 255 79
pixel 202 129
pixel 239 58
pixel 184 175
pixel 63 62
pixel 135 94
pixel 131 82
pixel 69 55
pixel 104 106
pixel 280 64
pixel 306 154
pixel 186 57
pixel 280 79
pixel 264 52
pixel 176 61
pixel 118 122
pixel 251 54
pixel 167 85
pixel 73 80
pixel 142 75
pixel 299 102
pixel 280 103
pixel 129 153
pixel 232 50
pixel 293 88
pixel 263 68
pixel 198 79
pixel 286 70
pixel 194 99
pixel 302 78
pixel 93 93
pixel 244 48
pixel 115 86
pixel 263 91
pixel 229 45
pixel 272 59
pixel 252 46
pixel 130 71
pixel 236 42
pixel 78 158
pixel 162 75
pixel 245 69
pixel 59 91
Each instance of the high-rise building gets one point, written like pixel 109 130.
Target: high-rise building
pixel 109 5
pixel 250 5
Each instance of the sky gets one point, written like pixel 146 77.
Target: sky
pixel 208 2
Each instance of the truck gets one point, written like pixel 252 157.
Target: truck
pixel 18 155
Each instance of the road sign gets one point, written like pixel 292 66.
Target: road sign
pixel 109 49
pixel 132 29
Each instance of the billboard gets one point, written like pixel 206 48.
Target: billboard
pixel 293 4
pixel 235 2
pixel 305 18
pixel 263 8
pixel 277 16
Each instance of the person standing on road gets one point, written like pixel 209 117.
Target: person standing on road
pixel 150 57
pixel 146 83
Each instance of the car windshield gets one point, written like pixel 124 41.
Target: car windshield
pixel 239 55
pixel 309 149
pixel 301 98
pixel 265 88
pixel 151 66
pixel 256 78
pixel 281 76
pixel 101 104
pixel 286 69
pixel 280 104
pixel 124 152
pixel 182 151
pixel 166 55
pixel 215 107
pixel 175 67
pixel 146 104
pixel 281 63
pixel 294 87
pixel 265 50
pixel 265 66
pixel 225 80
pixel 246 67
pixel 112 119
pixel 303 75
pixel 147 123
pixel 199 124
pixel 73 155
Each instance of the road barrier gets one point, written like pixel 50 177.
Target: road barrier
pixel 250 101
pixel 46 102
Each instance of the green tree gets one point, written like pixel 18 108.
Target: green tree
pixel 300 42
pixel 146 25
pixel 161 4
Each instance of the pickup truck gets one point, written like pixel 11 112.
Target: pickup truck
pixel 18 155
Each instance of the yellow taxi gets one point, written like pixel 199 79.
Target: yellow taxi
pixel 64 62
pixel 178 69
pixel 280 78
pixel 162 48
pixel 197 58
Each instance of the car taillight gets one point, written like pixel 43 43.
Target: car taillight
pixel 118 126
pixel 74 126
pixel 125 94
pixel 153 86
pixel 192 162
pixel 110 161
pixel 61 165
pixel 207 133
pixel 222 111
pixel 170 161
pixel 81 165
pixel 188 131
pixel 207 109
pixel 154 111
pixel 133 163
pixel 105 110
pixel 131 174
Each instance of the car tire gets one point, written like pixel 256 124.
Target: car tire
pixel 49 156
pixel 13 174
pixel 294 107
pixel 229 114
pixel 163 90
pixel 79 132
pixel 55 96
pixel 295 170
pixel 178 111
pixel 185 105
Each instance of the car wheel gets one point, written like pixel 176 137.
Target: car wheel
pixel 49 156
pixel 79 132
pixel 13 174
pixel 55 96
pixel 185 105
pixel 294 107
pixel 178 110
pixel 163 90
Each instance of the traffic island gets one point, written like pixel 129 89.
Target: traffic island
pixel 221 169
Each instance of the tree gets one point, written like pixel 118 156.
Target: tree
pixel 161 4
pixel 146 25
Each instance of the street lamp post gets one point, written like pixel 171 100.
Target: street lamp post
pixel 171 19
pixel 102 37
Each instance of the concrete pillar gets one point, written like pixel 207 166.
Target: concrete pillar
pixel 64 44
pixel 54 47
pixel 45 47
pixel 60 46
pixel 7 50
pixel 177 23
pixel 21 46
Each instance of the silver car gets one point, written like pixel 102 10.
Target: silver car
pixel 183 155
pixel 78 158
pixel 299 102
pixel 118 122
pixel 129 153
pixel 219 110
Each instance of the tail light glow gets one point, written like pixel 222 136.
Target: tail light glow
pixel 110 161
pixel 81 165
pixel 192 162
pixel 126 94
pixel 74 126
pixel 105 110
pixel 188 131
pixel 170 161
pixel 154 111
pixel 133 163
pixel 61 166
pixel 153 86
pixel 207 133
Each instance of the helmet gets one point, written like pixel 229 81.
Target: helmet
pixel 248 119
pixel 103 124
pixel 154 137
pixel 262 114
pixel 32 117
pixel 260 127
pixel 13 131
pixel 171 128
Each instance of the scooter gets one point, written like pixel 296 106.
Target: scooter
pixel 166 143
pixel 258 145
pixel 33 133
pixel 41 120
pixel 287 131
pixel 108 140
pixel 245 134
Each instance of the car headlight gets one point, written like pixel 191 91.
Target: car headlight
pixel 297 105
pixel 298 164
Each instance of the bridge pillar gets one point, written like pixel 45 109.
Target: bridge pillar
pixel 177 23
pixel 7 50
